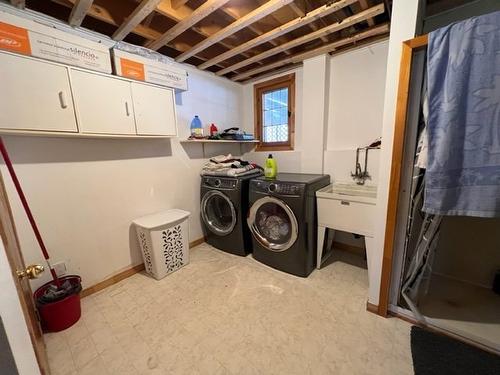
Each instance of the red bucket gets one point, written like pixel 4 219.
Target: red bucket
pixel 59 315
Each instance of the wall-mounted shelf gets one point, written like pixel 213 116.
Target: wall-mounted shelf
pixel 218 141
pixel 203 142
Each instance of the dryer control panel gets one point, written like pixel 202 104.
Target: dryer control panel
pixel 277 187
pixel 220 182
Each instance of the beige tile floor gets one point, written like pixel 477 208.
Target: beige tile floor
pixel 224 314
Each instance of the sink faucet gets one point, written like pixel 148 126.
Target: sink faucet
pixel 360 175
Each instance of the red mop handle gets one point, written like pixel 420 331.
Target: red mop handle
pixel 31 219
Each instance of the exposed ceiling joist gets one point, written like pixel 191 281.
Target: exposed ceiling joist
pixel 103 14
pixel 177 15
pixel 376 31
pixel 364 5
pixel 195 17
pixel 241 23
pixel 18 3
pixel 349 21
pixel 79 12
pixel 283 29
pixel 299 12
pixel 140 13
pixel 236 13
pixel 178 3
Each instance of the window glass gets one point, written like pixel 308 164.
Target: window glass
pixel 275 116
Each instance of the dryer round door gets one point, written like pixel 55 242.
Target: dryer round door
pixel 273 224
pixel 218 213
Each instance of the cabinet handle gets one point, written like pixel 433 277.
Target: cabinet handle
pixel 126 109
pixel 62 100
pixel 345 203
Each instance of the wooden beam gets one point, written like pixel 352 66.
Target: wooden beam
pixel 379 30
pixel 299 12
pixel 283 29
pixel 364 5
pixel 102 14
pixel 359 17
pixel 239 11
pixel 142 11
pixel 177 15
pixel 178 3
pixel 79 12
pixel 195 17
pixel 21 4
pixel 244 21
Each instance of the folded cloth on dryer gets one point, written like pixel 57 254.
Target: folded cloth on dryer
pixel 234 171
pixel 222 159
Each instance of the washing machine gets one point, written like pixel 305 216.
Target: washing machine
pixel 224 209
pixel 282 220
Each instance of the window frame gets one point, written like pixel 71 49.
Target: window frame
pixel 287 81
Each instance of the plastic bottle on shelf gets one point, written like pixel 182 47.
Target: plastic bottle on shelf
pixel 196 127
pixel 213 130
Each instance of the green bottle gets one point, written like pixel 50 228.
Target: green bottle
pixel 271 169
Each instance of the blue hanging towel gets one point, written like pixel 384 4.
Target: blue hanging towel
pixel 463 171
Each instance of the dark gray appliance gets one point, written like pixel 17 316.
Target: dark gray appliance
pixel 224 208
pixel 283 221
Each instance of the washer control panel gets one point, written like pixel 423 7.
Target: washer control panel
pixel 220 182
pixel 277 187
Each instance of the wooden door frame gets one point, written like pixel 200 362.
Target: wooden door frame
pixel 409 48
pixel 10 240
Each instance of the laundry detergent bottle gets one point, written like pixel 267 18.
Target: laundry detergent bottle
pixel 271 169
pixel 196 127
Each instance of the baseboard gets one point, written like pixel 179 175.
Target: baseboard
pixel 370 307
pixel 197 242
pixel 112 280
pixel 125 274
pixel 349 248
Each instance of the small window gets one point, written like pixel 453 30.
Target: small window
pixel 274 113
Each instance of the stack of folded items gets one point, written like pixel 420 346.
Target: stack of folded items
pixel 228 166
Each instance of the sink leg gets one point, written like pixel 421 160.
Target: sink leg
pixel 321 240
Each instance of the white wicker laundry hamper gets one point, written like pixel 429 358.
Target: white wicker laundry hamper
pixel 164 241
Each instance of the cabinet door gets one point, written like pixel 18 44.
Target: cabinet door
pixel 154 110
pixel 35 95
pixel 103 104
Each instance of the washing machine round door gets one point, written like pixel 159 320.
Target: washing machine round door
pixel 218 213
pixel 273 224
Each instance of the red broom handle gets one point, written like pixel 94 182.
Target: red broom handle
pixel 31 219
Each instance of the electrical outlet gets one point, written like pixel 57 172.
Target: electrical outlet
pixel 60 268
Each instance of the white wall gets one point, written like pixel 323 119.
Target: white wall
pixel 357 83
pixel 288 161
pixel 339 106
pixel 403 25
pixel 13 320
pixel 84 193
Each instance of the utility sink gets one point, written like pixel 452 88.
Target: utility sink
pixel 346 191
pixel 347 207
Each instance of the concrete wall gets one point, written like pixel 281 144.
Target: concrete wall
pixel 338 108
pixel 84 193
pixel 357 81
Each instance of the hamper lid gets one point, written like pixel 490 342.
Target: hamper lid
pixel 161 218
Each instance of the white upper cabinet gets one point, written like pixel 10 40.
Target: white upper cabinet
pixel 35 95
pixel 103 104
pixel 154 109
pixel 45 97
